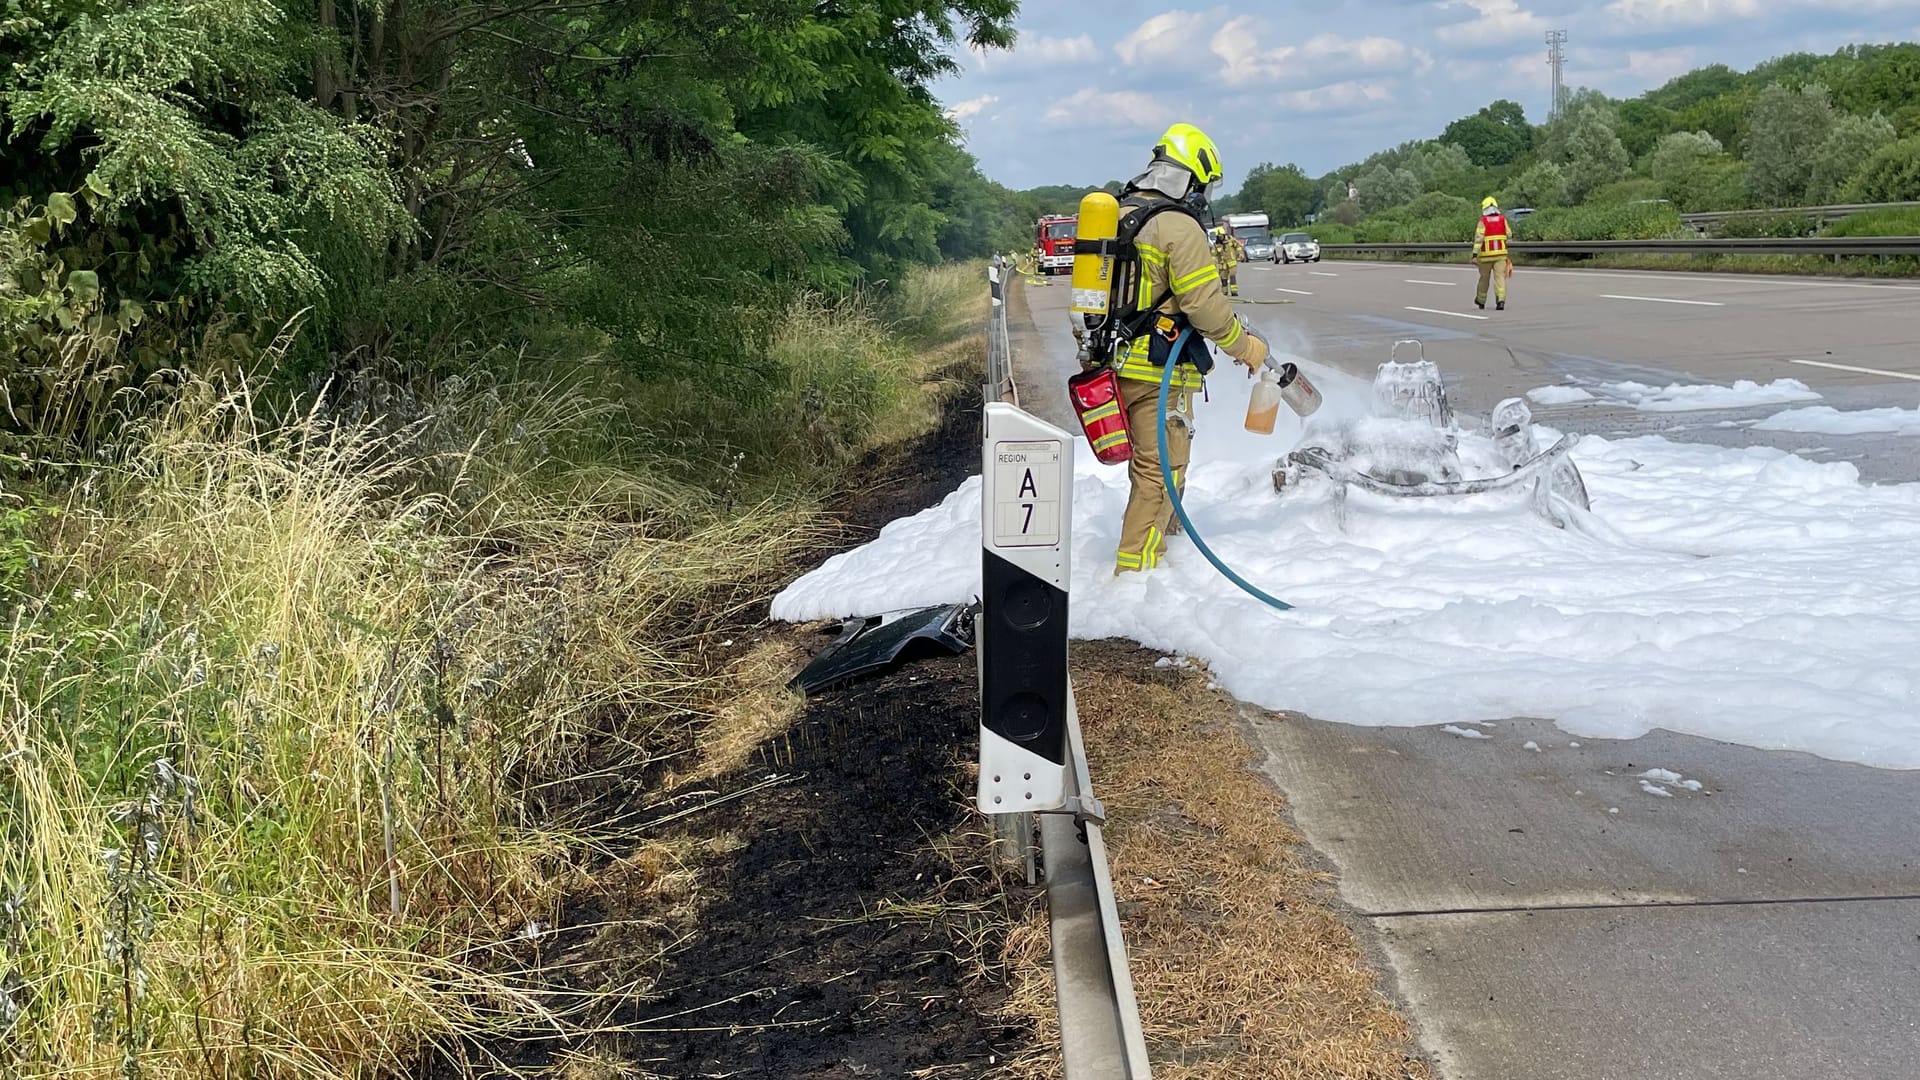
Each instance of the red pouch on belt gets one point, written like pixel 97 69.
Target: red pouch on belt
pixel 1096 401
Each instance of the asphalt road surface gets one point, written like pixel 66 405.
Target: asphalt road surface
pixel 1767 928
pixel 1856 342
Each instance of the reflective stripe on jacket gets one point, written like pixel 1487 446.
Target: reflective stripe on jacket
pixel 1490 239
pixel 1176 257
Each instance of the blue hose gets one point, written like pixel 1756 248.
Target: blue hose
pixel 1173 490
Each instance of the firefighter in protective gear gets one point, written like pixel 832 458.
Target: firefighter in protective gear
pixel 1490 251
pixel 1227 255
pixel 1180 280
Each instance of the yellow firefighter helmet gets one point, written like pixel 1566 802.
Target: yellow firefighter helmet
pixel 1190 148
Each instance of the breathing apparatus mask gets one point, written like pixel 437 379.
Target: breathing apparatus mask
pixel 1200 199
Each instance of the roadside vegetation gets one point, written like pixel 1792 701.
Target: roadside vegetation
pixel 394 400
pixel 1242 957
pixel 1799 130
pixel 303 703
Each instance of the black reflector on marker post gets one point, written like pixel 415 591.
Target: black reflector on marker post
pixel 1026 519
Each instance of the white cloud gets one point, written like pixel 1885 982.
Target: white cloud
pixel 1495 21
pixel 1657 67
pixel 1169 36
pixel 1337 97
pixel 1038 51
pixel 1698 12
pixel 972 107
pixel 1108 109
pixel 1053 50
pixel 1683 12
pixel 1238 45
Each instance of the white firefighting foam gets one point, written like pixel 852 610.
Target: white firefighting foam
pixel 1747 595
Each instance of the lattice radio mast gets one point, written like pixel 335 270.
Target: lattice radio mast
pixel 1557 60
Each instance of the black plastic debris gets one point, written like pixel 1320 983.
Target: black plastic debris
pixel 873 644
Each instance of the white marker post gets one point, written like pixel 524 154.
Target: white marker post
pixel 1026 532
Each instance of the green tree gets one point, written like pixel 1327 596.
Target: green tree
pixel 1283 192
pixel 1589 151
pixel 1783 128
pixel 1542 185
pixel 1891 174
pixel 1845 149
pixel 1439 165
pixel 1679 154
pixel 657 178
pixel 1866 79
pixel 1696 174
pixel 1382 188
pixel 1640 123
pixel 189 111
pixel 1494 136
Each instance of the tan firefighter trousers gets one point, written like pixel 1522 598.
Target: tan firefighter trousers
pixel 1495 270
pixel 1143 532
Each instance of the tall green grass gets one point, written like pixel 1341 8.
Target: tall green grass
pixel 292 698
pixel 1898 222
pixel 1603 221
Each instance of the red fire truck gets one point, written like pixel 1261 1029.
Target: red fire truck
pixel 1055 243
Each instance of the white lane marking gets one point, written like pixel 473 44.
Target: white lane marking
pixel 1296 292
pixel 1861 370
pixel 1709 275
pixel 1782 280
pixel 1442 284
pixel 1663 300
pixel 1455 314
pixel 1321 273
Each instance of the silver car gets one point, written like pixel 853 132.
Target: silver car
pixel 1261 249
pixel 1299 247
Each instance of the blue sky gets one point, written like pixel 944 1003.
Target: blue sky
pixel 1081 97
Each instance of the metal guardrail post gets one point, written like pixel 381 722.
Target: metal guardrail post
pixel 1032 760
pixel 999 385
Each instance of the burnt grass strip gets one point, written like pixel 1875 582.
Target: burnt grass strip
pixel 818 974
pixel 836 939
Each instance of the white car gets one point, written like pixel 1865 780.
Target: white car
pixel 1298 247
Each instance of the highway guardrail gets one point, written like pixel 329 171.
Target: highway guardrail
pixel 1821 214
pixel 1814 245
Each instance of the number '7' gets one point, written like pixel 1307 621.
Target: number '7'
pixel 1027 525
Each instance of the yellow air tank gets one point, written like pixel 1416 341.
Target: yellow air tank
pixel 1093 273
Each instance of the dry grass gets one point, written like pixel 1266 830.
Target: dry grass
pixel 764 708
pixel 296 710
pixel 1243 965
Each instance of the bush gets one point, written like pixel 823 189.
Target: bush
pixel 1852 142
pixel 1333 233
pixel 1770 226
pixel 1622 221
pixel 1638 189
pixel 1436 204
pixel 1892 174
pixel 1541 186
pixel 1344 213
pixel 1717 184
pixel 1897 222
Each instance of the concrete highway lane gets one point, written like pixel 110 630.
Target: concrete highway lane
pixel 1769 931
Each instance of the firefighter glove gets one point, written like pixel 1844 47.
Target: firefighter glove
pixel 1257 348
